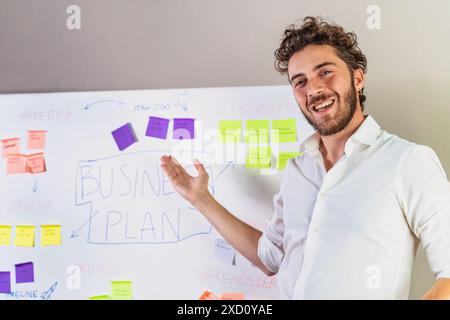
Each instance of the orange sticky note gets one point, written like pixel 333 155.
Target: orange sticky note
pixel 232 296
pixel 16 163
pixel 10 146
pixel 36 139
pixel 208 295
pixel 36 163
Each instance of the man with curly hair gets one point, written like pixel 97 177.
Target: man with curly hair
pixel 354 206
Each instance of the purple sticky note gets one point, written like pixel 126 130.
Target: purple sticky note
pixel 157 127
pixel 5 282
pixel 183 128
pixel 24 272
pixel 124 136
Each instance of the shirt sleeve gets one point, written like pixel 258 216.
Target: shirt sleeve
pixel 270 245
pixel 424 193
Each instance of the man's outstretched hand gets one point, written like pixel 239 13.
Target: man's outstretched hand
pixel 191 188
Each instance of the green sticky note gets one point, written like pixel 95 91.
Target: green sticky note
pixel 101 297
pixel 284 130
pixel 283 158
pixel 230 131
pixel 258 157
pixel 121 290
pixel 257 131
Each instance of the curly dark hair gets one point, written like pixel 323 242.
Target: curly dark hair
pixel 316 31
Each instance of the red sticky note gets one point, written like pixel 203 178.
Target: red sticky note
pixel 16 163
pixel 10 146
pixel 36 139
pixel 208 295
pixel 36 163
pixel 232 296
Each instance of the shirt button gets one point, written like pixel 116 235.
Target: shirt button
pixel 315 228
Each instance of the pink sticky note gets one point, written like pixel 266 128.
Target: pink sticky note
pixel 16 163
pixel 36 139
pixel 10 146
pixel 36 163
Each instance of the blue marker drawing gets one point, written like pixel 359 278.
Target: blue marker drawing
pixel 131 201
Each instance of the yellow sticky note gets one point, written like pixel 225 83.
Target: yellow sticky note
pixel 5 235
pixel 50 235
pixel 100 297
pixel 258 157
pixel 24 236
pixel 283 158
pixel 230 131
pixel 284 130
pixel 257 131
pixel 121 290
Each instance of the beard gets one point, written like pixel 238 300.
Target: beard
pixel 343 117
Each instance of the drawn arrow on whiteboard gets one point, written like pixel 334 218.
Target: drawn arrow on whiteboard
pixel 99 102
pixel 34 188
pixel 229 163
pixel 75 233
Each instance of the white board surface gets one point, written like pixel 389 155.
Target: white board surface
pixel 120 217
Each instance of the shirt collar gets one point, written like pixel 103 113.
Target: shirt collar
pixel 367 134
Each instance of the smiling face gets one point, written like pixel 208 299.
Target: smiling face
pixel 324 88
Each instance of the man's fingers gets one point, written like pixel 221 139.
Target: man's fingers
pixel 173 167
pixel 199 167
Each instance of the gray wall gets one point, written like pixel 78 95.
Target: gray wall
pixel 137 44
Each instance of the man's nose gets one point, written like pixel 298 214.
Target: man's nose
pixel 315 87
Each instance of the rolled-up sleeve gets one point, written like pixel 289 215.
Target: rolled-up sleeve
pixel 270 245
pixel 424 193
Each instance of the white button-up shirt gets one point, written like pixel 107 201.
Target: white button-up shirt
pixel 352 232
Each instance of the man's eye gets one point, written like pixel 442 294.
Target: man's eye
pixel 325 72
pixel 300 83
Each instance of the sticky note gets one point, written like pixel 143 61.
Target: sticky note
pixel 5 282
pixel 157 127
pixel 230 131
pixel 16 163
pixel 283 158
pixel 50 235
pixel 5 235
pixel 36 163
pixel 24 272
pixel 257 131
pixel 208 295
pixel 36 139
pixel 121 290
pixel 100 297
pixel 183 128
pixel 284 130
pixel 124 136
pixel 258 157
pixel 24 236
pixel 10 146
pixel 224 252
pixel 232 296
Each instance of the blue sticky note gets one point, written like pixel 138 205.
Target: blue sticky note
pixel 183 128
pixel 124 136
pixel 157 127
pixel 5 282
pixel 24 272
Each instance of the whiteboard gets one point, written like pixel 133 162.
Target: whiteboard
pixel 120 217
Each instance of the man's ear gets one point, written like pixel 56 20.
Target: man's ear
pixel 358 76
